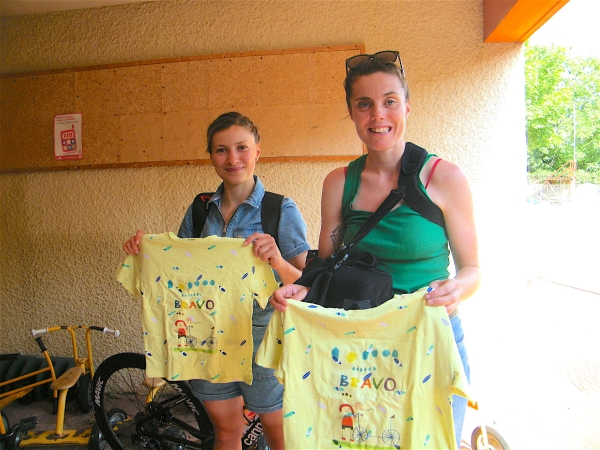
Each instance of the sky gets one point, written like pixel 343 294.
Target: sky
pixel 572 26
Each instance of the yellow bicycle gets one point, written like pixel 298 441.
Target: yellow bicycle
pixel 38 372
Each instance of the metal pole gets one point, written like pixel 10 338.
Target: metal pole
pixel 574 133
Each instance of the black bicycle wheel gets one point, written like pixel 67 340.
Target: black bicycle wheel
pixel 97 441
pixel 6 428
pixel 158 414
pixel 84 393
pixel 14 371
pixel 41 391
pixel 32 364
pixel 495 440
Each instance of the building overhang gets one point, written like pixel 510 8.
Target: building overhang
pixel 516 20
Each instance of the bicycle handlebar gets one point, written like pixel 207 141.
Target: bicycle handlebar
pixel 115 333
pixel 105 330
pixel 34 333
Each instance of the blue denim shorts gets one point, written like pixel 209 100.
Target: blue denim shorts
pixel 264 395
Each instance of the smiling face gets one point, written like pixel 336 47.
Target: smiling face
pixel 234 154
pixel 379 108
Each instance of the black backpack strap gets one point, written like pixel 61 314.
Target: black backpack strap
pixel 412 162
pixel 200 212
pixel 271 214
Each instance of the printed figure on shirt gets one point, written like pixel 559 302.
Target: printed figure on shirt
pixel 182 326
pixel 347 421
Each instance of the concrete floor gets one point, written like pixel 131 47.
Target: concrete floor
pixel 74 419
pixel 535 359
pixel 532 330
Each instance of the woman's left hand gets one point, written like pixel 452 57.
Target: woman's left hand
pixel 446 292
pixel 265 248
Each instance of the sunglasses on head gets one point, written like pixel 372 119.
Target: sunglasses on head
pixel 390 56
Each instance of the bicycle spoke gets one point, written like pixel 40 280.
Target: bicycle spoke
pixel 133 411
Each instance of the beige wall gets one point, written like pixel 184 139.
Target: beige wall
pixel 61 233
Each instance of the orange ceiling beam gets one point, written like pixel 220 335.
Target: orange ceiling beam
pixel 516 20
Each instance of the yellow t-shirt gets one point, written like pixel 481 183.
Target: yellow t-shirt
pixel 197 299
pixel 374 378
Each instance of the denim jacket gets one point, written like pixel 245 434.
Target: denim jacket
pixel 247 220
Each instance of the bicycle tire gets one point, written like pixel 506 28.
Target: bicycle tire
pixel 97 441
pixel 391 437
pixel 41 391
pixel 84 393
pixel 495 440
pixel 6 427
pixel 211 342
pixel 119 383
pixel 360 434
pixel 14 371
pixel 32 364
pixel 15 441
pixel 4 367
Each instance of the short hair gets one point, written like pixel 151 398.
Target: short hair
pixel 227 120
pixel 369 67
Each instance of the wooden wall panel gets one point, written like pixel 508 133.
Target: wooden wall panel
pixel 156 112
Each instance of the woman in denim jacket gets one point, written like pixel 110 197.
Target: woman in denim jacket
pixel 235 211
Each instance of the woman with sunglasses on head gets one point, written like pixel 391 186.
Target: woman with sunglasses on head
pixel 235 211
pixel 418 254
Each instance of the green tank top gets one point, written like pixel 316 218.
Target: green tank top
pixel 409 247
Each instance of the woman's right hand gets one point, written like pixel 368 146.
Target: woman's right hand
pixel 280 297
pixel 131 246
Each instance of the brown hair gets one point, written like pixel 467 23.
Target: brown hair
pixel 227 120
pixel 369 67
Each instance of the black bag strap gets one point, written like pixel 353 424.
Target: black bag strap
pixel 386 206
pixel 200 212
pixel 412 162
pixel 270 213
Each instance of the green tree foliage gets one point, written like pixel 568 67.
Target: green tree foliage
pixel 562 112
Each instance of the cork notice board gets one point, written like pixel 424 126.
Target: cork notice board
pixel 156 112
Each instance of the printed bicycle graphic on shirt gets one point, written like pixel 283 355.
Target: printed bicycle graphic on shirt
pixel 186 340
pixel 360 434
pixel 389 436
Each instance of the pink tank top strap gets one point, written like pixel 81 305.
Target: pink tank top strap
pixel 431 171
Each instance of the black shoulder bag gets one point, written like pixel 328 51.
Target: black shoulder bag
pixel 350 283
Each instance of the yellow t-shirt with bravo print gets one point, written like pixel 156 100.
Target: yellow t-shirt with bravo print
pixel 367 378
pixel 197 299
